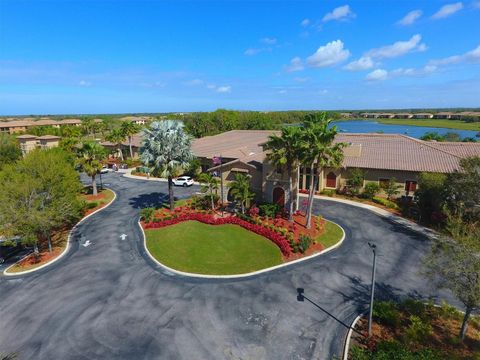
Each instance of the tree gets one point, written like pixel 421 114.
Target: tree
pixel 283 151
pixel 430 195
pixel 167 148
pixel 129 129
pixel 240 190
pixel 38 195
pixel 209 186
pixel 116 137
pixel 355 182
pixel 90 156
pixel 454 264
pixel 88 126
pixel 9 150
pixel 318 151
pixel 391 188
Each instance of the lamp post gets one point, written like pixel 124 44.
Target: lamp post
pixel 374 249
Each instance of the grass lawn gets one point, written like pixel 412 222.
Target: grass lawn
pixel 333 234
pixel 441 123
pixel 199 248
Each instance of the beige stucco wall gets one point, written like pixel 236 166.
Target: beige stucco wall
pixel 48 144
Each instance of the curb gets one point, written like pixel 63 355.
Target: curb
pixel 64 252
pixel 383 213
pixel 240 276
pixel 346 348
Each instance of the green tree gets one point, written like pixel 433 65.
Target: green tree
pixel 116 137
pixel 283 151
pixel 167 148
pixel 38 195
pixel 90 156
pixel 88 126
pixel 454 264
pixel 9 150
pixel 430 194
pixel 240 190
pixel 129 129
pixel 319 151
pixel 209 186
pixel 391 188
pixel 355 181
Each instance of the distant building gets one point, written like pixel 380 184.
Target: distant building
pixel 32 142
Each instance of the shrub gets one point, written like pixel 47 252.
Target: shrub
pixel 328 192
pixel 91 205
pixel 448 311
pixel 414 307
pixel 418 330
pixel 385 202
pixel 393 350
pixel 146 214
pixel 254 211
pixel 391 188
pixel 371 189
pixel 270 210
pixel 386 312
pixel 305 242
pixel 355 182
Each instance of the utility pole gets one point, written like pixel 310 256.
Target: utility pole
pixel 374 249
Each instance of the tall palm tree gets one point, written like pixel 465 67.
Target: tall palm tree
pixel 319 151
pixel 129 129
pixel 90 156
pixel 209 186
pixel 167 148
pixel 87 125
pixel 283 152
pixel 240 189
pixel 116 137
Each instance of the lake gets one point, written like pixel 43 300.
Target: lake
pixel 366 126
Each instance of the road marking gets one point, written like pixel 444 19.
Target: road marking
pixel 123 236
pixel 87 243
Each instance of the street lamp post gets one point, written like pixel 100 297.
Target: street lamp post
pixel 374 249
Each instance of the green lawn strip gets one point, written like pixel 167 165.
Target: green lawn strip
pixel 333 234
pixel 199 248
pixel 440 123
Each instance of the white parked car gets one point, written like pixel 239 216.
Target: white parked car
pixel 183 181
pixel 104 170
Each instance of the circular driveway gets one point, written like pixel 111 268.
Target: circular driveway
pixel 110 301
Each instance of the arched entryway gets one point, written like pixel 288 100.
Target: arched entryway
pixel 279 196
pixel 230 197
pixel 331 180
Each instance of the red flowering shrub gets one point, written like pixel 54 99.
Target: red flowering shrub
pixel 303 191
pixel 270 234
pixel 254 211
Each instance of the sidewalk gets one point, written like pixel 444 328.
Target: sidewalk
pixel 384 213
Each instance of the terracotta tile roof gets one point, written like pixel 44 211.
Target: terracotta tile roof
pixel 48 137
pixel 458 148
pixel 18 123
pixel 26 136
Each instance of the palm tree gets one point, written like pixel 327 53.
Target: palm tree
pixel 87 125
pixel 128 129
pixel 283 152
pixel 90 156
pixel 167 148
pixel 116 137
pixel 209 186
pixel 319 151
pixel 240 189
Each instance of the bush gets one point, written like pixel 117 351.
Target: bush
pixel 371 189
pixel 414 307
pixel 270 210
pixel 254 211
pixel 146 214
pixel 392 350
pixel 386 312
pixel 418 330
pixel 304 243
pixel 385 202
pixel 328 192
pixel 91 205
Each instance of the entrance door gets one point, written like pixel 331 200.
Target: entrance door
pixel 279 196
pixel 331 180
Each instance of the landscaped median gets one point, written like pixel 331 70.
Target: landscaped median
pixel 202 242
pixel 60 238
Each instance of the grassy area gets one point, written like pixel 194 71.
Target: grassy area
pixel 440 123
pixel 333 234
pixel 195 247
pixel 103 198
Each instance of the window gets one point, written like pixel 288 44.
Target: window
pixel 410 186
pixel 383 182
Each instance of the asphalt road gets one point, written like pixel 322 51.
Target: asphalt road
pixel 109 301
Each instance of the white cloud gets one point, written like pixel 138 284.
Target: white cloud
pixel 447 10
pixel 194 82
pixel 376 75
pixel 211 86
pixel 301 79
pixel 327 55
pixel 224 89
pixel 410 18
pixel 305 22
pixel 251 51
pixel 364 63
pixel 340 13
pixel 84 83
pixel 283 91
pixel 398 48
pixel 296 64
pixel 269 41
pixel 472 56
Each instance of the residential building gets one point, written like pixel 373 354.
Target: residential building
pixel 31 142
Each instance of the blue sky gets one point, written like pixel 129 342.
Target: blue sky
pixel 60 57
